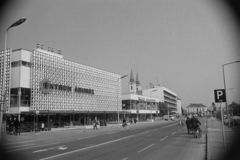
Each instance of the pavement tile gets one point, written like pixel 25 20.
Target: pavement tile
pixel 215 140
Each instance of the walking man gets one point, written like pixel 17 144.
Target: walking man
pixel 188 124
pixel 95 123
pixel 42 126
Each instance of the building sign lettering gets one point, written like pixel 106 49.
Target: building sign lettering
pixel 46 86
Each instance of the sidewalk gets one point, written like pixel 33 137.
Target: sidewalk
pixel 215 142
pixel 27 136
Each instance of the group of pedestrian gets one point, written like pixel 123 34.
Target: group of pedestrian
pixel 13 126
pixel 133 120
pixel 192 123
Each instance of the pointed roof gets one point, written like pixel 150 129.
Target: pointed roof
pixel 131 77
pixel 137 79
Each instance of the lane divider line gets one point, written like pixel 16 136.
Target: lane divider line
pixel 174 132
pixel 163 138
pixel 58 155
pixel 145 148
pixel 18 146
pixel 11 143
pixel 113 132
pixel 87 137
pixel 125 158
pixel 169 125
pixel 31 147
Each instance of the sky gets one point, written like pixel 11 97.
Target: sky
pixel 180 45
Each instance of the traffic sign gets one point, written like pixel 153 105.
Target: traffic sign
pixel 220 95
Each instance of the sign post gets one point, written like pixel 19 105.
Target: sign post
pixel 220 96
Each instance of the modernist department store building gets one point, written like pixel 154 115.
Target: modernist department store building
pixel 43 84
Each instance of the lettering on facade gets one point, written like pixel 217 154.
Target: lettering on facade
pixel 46 86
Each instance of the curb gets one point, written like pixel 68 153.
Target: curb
pixel 208 151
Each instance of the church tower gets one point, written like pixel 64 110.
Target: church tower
pixel 132 84
pixel 138 85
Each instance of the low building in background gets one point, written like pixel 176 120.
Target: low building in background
pixel 196 108
pixel 141 102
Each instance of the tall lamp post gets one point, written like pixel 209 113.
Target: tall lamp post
pixel 232 110
pixel 150 102
pixel 117 95
pixel 225 88
pixel 17 23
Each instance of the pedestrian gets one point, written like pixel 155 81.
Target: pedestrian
pixel 124 124
pixel 135 120
pixel 195 124
pixel 42 126
pixel 95 123
pixel 188 124
pixel 11 124
pixel 16 124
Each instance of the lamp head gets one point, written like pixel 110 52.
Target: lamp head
pixel 17 23
pixel 123 76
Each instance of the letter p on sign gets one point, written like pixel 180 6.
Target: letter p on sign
pixel 220 95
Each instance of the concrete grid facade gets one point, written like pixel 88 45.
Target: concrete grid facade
pixel 57 84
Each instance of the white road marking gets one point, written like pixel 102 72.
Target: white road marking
pixel 145 148
pixel 144 132
pixel 169 125
pixel 18 146
pixel 86 148
pixel 31 147
pixel 154 130
pixel 179 129
pixel 113 132
pixel 125 158
pixel 11 143
pixel 163 138
pixel 173 132
pixel 62 147
pixel 58 147
pixel 87 137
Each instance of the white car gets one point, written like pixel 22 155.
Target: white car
pixel 171 117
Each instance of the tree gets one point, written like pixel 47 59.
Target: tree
pixel 235 109
pixel 184 112
pixel 163 109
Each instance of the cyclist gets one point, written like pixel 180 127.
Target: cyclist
pixel 195 125
pixel 124 124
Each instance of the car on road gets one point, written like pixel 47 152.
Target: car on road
pixel 170 117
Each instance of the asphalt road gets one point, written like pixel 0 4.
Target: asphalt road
pixel 165 141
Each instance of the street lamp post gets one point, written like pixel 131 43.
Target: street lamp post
pixel 150 102
pixel 117 95
pixel 168 112
pixel 225 87
pixel 17 23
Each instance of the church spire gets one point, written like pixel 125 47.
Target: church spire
pixel 137 79
pixel 131 77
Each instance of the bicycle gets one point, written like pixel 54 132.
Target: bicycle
pixel 198 132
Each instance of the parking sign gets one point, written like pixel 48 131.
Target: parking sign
pixel 220 95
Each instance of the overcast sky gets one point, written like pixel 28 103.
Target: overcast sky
pixel 179 44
